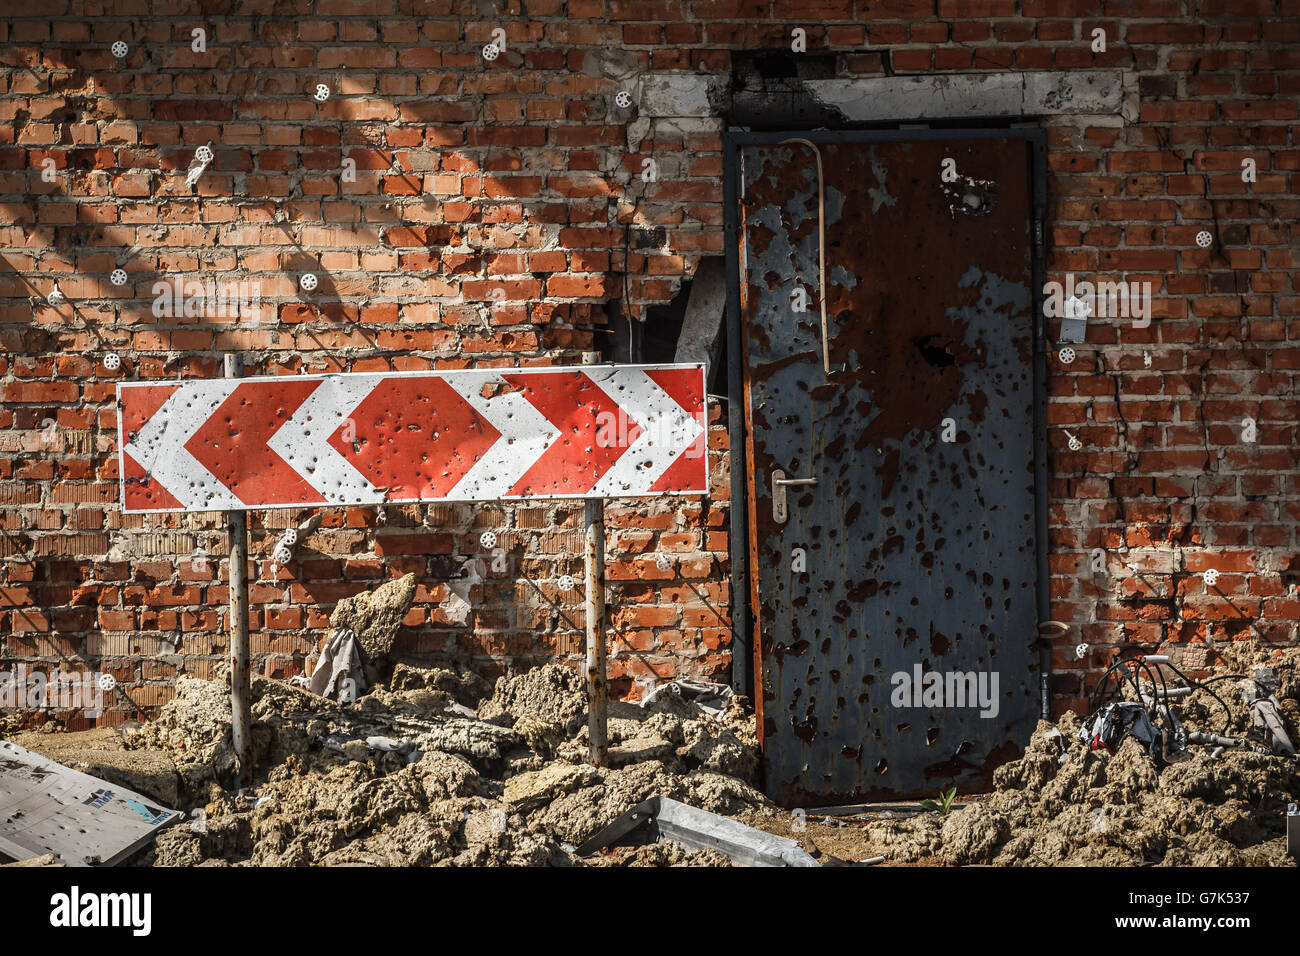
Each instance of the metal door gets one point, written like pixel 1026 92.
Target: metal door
pixel 896 594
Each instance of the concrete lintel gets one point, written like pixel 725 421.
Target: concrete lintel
pixel 936 96
pixel 971 95
pixel 681 94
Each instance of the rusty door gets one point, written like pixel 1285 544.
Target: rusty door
pixel 896 589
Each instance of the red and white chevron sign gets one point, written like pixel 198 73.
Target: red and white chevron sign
pixel 366 439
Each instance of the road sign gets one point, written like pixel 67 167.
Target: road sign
pixel 374 438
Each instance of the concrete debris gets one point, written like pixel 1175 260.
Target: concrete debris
pixel 467 774
pixel 483 744
pixel 375 616
pixel 436 768
pixel 466 689
pixel 658 854
pixel 1064 804
pixel 45 859
pixel 551 693
pixel 527 791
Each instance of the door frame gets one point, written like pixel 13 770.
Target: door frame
pixel 746 666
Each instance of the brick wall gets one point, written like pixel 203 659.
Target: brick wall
pixel 521 174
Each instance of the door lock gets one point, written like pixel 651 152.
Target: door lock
pixel 780 512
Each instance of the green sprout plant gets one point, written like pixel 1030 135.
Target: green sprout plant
pixel 944 804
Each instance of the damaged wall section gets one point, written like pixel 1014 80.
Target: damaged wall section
pixel 488 223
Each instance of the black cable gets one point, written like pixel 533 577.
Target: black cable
pixel 1121 669
pixel 1161 715
pixel 1131 674
pixel 1200 685
pixel 1093 699
pixel 1159 686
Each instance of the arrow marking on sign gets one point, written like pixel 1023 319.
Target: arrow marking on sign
pixel 526 435
pixel 159 447
pixel 304 440
pixel 572 462
pixel 417 438
pixel 667 431
pixel 233 444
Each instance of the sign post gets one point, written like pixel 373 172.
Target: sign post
pixel 597 686
pixel 375 438
pixel 241 716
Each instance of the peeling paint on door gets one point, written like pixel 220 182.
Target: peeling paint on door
pixel 920 553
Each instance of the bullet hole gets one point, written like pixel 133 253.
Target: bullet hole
pixel 649 237
pixel 970 197
pixel 937 349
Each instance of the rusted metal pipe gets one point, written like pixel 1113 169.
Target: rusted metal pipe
pixel 597 684
pixel 241 716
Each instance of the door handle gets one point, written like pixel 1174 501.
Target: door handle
pixel 780 511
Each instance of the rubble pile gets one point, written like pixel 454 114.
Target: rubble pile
pixel 1064 803
pixel 436 768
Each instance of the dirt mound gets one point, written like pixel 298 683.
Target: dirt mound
pixel 550 695
pixel 659 854
pixel 1064 803
pixel 409 775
